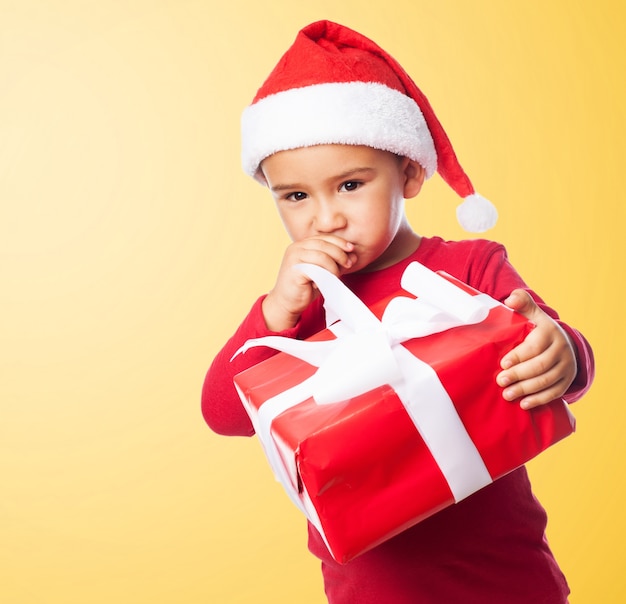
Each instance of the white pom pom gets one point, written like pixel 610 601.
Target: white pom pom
pixel 476 214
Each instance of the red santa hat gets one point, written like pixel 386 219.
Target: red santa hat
pixel 335 86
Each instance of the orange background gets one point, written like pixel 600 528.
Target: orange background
pixel 131 244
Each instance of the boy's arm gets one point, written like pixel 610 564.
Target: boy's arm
pixel 585 364
pixel 548 363
pixel 221 407
pixel 494 274
pixel 292 309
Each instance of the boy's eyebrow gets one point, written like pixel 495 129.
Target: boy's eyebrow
pixel 353 172
pixel 341 176
pixel 285 187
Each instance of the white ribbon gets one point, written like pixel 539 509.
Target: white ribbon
pixel 367 353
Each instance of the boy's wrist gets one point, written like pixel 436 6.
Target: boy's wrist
pixel 276 317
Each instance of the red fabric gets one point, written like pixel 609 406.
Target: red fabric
pixel 325 52
pixel 489 548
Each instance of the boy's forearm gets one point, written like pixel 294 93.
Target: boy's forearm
pixel 221 407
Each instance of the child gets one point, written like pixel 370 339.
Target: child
pixel 342 136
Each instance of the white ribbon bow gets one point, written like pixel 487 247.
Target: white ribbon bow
pixel 361 358
pixel 367 353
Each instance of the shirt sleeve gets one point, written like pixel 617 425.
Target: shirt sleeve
pixel 221 406
pixel 495 275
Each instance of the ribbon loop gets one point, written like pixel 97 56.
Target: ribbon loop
pixel 360 362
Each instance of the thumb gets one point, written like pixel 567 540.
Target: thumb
pixel 521 301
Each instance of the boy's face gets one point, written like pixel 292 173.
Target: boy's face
pixel 355 193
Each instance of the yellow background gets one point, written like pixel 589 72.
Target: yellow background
pixel 131 244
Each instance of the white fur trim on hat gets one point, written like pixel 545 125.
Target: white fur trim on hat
pixel 352 113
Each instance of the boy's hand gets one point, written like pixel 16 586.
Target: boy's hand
pixel 544 365
pixel 294 291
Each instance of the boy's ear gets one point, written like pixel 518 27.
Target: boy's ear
pixel 414 175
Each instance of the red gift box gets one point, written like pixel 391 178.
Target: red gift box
pixel 366 456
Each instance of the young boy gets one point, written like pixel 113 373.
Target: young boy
pixel 341 136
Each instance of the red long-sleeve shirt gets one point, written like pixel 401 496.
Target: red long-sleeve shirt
pixel 487 549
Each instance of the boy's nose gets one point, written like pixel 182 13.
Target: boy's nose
pixel 329 218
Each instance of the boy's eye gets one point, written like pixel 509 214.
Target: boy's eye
pixel 351 185
pixel 297 196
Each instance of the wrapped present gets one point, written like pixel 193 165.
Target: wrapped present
pixel 393 413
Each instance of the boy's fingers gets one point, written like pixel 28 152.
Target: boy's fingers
pixel 530 348
pixel 543 397
pixel 340 251
pixel 522 302
pixel 527 380
pixel 329 259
